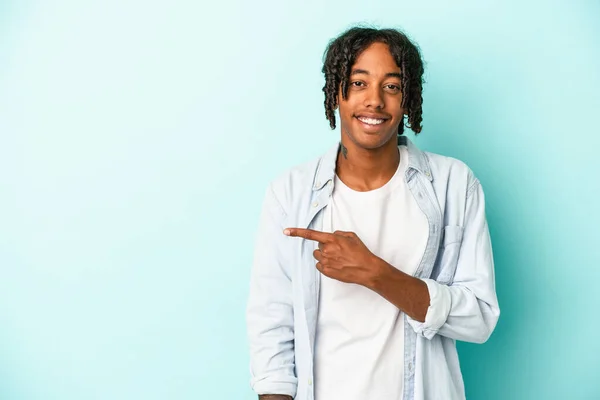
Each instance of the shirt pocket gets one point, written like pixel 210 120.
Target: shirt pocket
pixel 447 258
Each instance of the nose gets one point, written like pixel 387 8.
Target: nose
pixel 374 98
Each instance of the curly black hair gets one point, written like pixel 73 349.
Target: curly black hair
pixel 342 52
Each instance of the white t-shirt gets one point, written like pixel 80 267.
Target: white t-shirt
pixel 359 347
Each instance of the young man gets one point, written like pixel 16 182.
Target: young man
pixel 372 260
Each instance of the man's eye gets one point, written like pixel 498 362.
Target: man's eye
pixel 393 87
pixel 357 83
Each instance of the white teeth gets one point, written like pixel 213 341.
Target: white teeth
pixel 371 121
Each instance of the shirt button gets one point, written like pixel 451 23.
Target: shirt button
pixel 309 382
pixel 315 204
pixel 318 183
pixel 427 173
pixel 410 366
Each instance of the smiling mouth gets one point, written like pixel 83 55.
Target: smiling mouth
pixel 371 121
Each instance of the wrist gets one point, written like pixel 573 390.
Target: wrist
pixel 380 272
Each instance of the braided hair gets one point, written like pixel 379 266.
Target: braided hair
pixel 341 54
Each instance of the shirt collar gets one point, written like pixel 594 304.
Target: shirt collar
pixel 417 160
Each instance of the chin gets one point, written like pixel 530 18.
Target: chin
pixel 370 140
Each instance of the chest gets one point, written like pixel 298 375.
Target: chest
pixel 393 227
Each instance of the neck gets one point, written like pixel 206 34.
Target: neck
pixel 367 169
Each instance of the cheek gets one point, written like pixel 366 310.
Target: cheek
pixel 348 108
pixel 345 115
pixel 395 104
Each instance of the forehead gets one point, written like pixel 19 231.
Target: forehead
pixel 376 57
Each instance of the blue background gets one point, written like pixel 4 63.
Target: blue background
pixel 136 140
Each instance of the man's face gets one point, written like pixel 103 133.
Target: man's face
pixel 372 112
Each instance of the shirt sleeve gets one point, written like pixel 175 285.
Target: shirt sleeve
pixel 467 309
pixel 269 314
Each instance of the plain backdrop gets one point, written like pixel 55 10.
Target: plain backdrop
pixel 137 138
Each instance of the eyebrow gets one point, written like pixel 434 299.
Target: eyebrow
pixel 365 72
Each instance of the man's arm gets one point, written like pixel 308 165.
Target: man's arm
pixel 406 292
pixel 467 309
pixel 269 316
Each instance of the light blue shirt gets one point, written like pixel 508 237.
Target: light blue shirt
pixel 457 266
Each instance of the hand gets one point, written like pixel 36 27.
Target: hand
pixel 341 256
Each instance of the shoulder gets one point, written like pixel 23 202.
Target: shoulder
pixel 295 181
pixel 451 171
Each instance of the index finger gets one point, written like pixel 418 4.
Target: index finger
pixel 310 234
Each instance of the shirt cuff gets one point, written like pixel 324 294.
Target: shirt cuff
pixel 282 384
pixel 440 302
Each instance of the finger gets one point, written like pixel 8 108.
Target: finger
pixel 344 233
pixel 329 249
pixel 310 234
pixel 320 267
pixel 318 255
